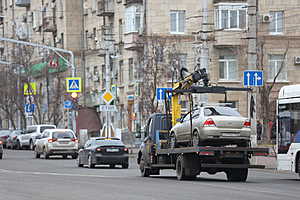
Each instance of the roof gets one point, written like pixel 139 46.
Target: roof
pixel 289 91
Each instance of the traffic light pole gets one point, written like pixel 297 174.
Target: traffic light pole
pixel 56 50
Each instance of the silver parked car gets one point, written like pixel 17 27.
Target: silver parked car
pixel 212 126
pixel 57 142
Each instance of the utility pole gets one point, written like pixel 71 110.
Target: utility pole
pixel 252 51
pixel 204 49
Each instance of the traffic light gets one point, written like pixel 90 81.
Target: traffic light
pixel 74 99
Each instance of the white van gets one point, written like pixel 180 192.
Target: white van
pixel 31 134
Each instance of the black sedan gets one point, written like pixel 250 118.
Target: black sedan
pixel 103 151
pixel 12 140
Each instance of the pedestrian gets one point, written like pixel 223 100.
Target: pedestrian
pixel 258 130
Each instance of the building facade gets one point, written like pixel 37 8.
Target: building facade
pixel 149 41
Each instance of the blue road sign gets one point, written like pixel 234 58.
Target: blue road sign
pixel 253 78
pixel 73 84
pixel 68 104
pixel 29 108
pixel 161 93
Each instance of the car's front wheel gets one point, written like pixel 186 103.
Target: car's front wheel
pixel 37 155
pixel 90 162
pixel 31 145
pixel 79 164
pixel 195 139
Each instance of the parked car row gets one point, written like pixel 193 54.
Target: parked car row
pixel 47 141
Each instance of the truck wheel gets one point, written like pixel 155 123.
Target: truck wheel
pixel 145 172
pixel 237 175
pixel 180 169
pixel 195 139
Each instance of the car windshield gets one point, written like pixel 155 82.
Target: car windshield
pixel 223 111
pixel 2 133
pixel 46 127
pixel 108 142
pixel 63 134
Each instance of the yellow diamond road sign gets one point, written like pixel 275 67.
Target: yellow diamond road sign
pixel 107 97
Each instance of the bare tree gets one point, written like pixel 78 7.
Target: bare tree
pixel 267 106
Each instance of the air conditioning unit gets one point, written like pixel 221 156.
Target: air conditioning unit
pixel 297 60
pixel 267 18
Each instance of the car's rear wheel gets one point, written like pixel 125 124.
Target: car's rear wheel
pixel 37 155
pixel 45 154
pixel 79 164
pixel 195 139
pixel 18 146
pixel 90 162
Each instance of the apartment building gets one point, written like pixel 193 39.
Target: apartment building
pixel 140 35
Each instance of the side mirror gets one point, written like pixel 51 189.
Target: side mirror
pixel 179 120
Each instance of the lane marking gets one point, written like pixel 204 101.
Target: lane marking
pixel 58 174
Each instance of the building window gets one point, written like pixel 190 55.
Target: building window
pixel 133 19
pixel 231 16
pixel 130 69
pixel 177 21
pixel 228 68
pixel 276 25
pixel 276 65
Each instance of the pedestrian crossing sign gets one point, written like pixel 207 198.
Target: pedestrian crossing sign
pixel 73 84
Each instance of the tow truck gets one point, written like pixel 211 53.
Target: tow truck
pixel 157 153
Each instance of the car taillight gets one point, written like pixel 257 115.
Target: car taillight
pixel 52 140
pixel 247 124
pixel 15 137
pixel 126 150
pixel 74 140
pixel 98 149
pixel 1 142
pixel 209 123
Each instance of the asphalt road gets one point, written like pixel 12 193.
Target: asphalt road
pixel 24 178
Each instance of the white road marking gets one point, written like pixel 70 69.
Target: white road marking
pixel 57 174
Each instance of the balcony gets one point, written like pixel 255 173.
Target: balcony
pixel 133 41
pixel 230 38
pixel 105 8
pixel 49 25
pixel 23 3
pixel 127 2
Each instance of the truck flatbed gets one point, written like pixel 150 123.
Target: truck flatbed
pixel 213 150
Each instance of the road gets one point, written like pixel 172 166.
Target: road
pixel 24 178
